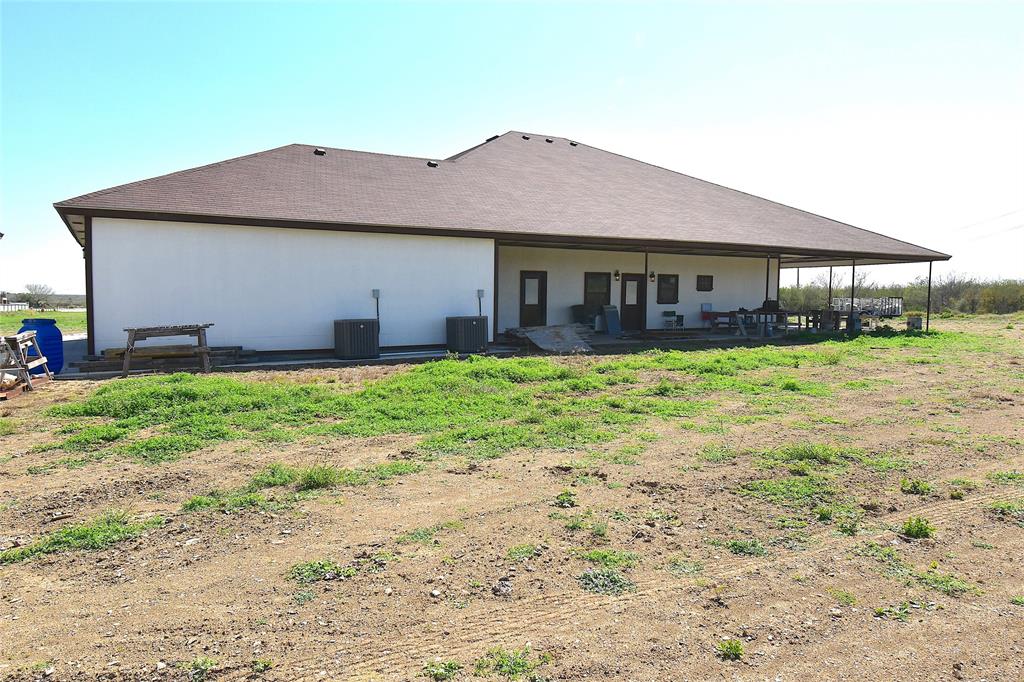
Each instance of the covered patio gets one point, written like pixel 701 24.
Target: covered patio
pixel 611 295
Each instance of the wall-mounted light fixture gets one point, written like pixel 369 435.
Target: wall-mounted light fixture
pixel 617 275
pixel 651 276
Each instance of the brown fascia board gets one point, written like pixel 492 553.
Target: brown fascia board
pixel 510 238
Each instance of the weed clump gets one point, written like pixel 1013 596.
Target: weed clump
pixel 199 668
pixel 610 558
pixel 1009 511
pixel 103 531
pixel 897 567
pixel 918 528
pixel 440 671
pixel 315 571
pixel 729 649
pixel 751 547
pixel 512 664
pixel 319 476
pixel 565 499
pixel 226 502
pixel 915 486
pixel 262 665
pixel 792 491
pixel 522 552
pixel 682 566
pixel 1005 477
pixel 274 475
pixel 605 581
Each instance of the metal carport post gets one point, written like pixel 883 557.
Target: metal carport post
pixel 928 305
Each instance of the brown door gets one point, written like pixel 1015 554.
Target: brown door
pixel 634 302
pixel 533 298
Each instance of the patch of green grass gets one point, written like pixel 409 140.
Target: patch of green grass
pixel 1006 477
pixel 261 665
pixel 303 597
pixel 900 612
pixel 6 426
pixel 729 649
pixel 683 566
pixel 1017 600
pixel 103 531
pixel 199 668
pixel 885 462
pixel 608 581
pixel 273 475
pixel 565 499
pixel 68 321
pixel 92 437
pixel 226 501
pixel 522 552
pixel 610 558
pixel 309 572
pixel 915 486
pixel 752 547
pixel 842 596
pixel 792 491
pixel 319 476
pixel 896 567
pixel 714 452
pixel 510 664
pixel 425 536
pixel 811 456
pixel 440 671
pixel 1009 510
pixel 918 528
pixel 158 449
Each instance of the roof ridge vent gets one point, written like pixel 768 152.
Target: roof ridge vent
pixel 573 144
pixel 526 137
pixel 320 151
pixel 432 164
pixel 491 138
pixel 548 140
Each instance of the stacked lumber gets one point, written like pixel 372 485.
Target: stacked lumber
pixel 157 358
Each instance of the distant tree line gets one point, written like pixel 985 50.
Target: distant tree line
pixel 951 292
pixel 42 297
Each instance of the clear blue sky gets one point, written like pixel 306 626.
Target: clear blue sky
pixel 907 119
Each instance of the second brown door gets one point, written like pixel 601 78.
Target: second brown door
pixel 633 301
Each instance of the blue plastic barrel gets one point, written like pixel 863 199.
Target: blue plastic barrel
pixel 51 342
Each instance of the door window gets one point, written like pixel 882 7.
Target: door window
pixel 632 290
pixel 531 291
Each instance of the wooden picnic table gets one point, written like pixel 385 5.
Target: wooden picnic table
pixel 197 330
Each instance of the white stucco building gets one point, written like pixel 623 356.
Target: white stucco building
pixel 275 246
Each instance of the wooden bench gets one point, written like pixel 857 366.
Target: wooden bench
pixel 202 349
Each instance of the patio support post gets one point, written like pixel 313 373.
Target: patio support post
pixel 928 305
pixel 853 282
pixel 767 275
pixel 828 304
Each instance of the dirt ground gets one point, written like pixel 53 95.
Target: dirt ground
pixel 214 586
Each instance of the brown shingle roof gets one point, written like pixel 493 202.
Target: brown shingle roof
pixel 517 185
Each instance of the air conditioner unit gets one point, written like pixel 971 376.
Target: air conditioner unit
pixel 467 334
pixel 356 339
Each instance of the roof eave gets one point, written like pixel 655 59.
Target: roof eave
pixel 747 250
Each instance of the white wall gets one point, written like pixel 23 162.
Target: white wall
pixel 281 288
pixel 738 282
